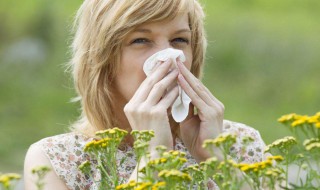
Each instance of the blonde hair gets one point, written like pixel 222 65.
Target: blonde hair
pixel 101 26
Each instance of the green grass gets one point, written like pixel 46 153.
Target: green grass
pixel 262 62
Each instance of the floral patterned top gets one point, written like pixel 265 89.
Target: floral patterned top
pixel 65 153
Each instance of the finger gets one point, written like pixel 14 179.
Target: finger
pixel 160 88
pixel 195 99
pixel 202 91
pixel 145 87
pixel 168 100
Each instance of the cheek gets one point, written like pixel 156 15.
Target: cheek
pixel 130 76
pixel 188 64
pixel 189 58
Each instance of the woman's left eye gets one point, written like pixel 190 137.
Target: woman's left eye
pixel 180 40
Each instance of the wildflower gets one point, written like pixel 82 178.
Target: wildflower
pixel 174 175
pixel 144 135
pixel 112 133
pixel 222 138
pixel 247 140
pixel 40 170
pixel 276 158
pixel 313 119
pixel 310 141
pixel 254 167
pixel 176 153
pixel 85 167
pixel 317 125
pixel 129 185
pixel 210 161
pixel 304 166
pixel 299 120
pixel 161 149
pixel 246 167
pixel 194 167
pixel 273 172
pixel 315 145
pixel 158 184
pixel 5 179
pixel 143 186
pixel 227 164
pixel 286 118
pixel 284 144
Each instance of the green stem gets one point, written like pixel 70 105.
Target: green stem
pixel 298 175
pixel 103 170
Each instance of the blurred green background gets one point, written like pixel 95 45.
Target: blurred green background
pixel 263 61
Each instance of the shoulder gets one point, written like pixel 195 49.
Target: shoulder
pixel 64 153
pixel 240 129
pixel 36 157
pixel 249 146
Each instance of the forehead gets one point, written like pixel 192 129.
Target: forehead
pixel 179 22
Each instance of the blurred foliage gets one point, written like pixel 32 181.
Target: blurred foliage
pixel 262 62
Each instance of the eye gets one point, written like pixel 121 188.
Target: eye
pixel 180 40
pixel 140 41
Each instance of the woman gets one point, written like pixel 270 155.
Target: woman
pixel 113 40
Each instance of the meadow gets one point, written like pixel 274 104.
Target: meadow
pixel 262 62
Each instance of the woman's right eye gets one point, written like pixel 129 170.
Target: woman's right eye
pixel 140 41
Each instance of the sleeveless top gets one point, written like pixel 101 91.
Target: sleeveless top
pixel 65 152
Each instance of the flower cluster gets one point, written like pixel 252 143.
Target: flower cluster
pixel 40 172
pixel 283 145
pixel 305 155
pixel 133 185
pixel 168 171
pixel 6 180
pixel 307 125
pixel 103 150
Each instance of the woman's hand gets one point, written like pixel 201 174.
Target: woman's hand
pixel 207 123
pixel 147 109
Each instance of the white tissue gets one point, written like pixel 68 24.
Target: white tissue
pixel 180 107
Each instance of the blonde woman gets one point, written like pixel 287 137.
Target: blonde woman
pixel 113 39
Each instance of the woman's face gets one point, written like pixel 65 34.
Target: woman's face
pixel 144 42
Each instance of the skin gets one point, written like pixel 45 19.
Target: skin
pixel 143 103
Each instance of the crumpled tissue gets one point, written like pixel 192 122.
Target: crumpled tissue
pixel 180 107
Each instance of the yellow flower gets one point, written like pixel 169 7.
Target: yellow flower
pixel 313 119
pixel 122 186
pixel 143 186
pixel 5 179
pixel 276 158
pixel 318 124
pixel 300 120
pixel 286 118
pixel 163 160
pixel 159 184
pixel 247 167
pixel 175 174
pixel 255 167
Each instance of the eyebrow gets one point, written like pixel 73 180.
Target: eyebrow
pixel 142 30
